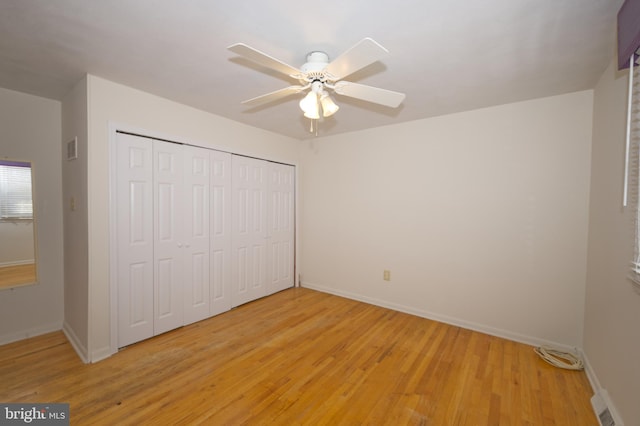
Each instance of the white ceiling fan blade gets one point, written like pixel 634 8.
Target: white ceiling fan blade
pixel 365 52
pixel 263 59
pixel 273 96
pixel 369 93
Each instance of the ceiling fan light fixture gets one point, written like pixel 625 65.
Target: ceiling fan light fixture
pixel 313 115
pixel 328 106
pixel 319 74
pixel 309 105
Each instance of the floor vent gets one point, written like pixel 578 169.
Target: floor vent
pixel 601 405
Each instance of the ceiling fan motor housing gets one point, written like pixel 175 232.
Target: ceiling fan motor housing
pixel 314 67
pixel 317 57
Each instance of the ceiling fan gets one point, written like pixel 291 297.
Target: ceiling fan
pixel 319 75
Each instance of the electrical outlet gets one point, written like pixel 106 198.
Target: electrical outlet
pixel 386 275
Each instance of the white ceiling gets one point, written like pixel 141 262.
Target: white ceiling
pixel 447 56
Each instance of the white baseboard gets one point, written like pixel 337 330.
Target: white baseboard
pixel 77 345
pixel 30 332
pixel 516 337
pixel 591 374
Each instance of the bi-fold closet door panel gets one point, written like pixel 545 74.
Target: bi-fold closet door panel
pixel 135 238
pixel 169 243
pixel 181 207
pixel 280 223
pixel 262 228
pixel 196 201
pixel 220 224
pixel 249 229
pixel 163 236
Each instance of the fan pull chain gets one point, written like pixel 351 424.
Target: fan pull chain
pixel 311 127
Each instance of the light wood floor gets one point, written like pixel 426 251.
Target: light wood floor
pixel 302 357
pixel 19 274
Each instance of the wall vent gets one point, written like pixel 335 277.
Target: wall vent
pixel 604 410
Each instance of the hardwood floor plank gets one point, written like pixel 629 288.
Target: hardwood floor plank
pixel 302 357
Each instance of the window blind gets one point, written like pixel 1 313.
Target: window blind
pixel 15 190
pixel 634 142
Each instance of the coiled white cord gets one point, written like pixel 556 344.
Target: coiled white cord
pixel 560 359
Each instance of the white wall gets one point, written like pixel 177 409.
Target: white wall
pixel 113 103
pixel 74 187
pixel 612 314
pixel 481 217
pixel 31 131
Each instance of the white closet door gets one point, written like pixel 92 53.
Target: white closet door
pixel 249 251
pixel 280 222
pixel 220 232
pixel 196 234
pixel 168 208
pixel 134 238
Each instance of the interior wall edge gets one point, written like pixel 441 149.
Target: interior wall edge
pixel 75 342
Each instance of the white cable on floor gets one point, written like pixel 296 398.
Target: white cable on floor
pixel 560 359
